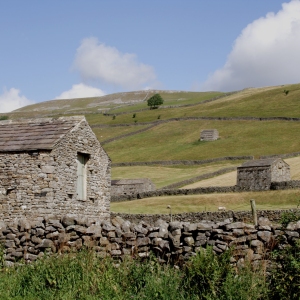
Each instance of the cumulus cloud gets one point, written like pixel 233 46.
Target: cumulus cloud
pixel 80 90
pixel 265 53
pixel 97 61
pixel 12 100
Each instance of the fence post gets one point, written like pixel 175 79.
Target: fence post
pixel 254 214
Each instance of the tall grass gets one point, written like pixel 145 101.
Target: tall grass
pixel 86 276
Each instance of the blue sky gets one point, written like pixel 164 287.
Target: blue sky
pixel 76 48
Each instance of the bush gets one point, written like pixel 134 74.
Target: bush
pixel 155 101
pixel 212 277
pixel 290 216
pixel 285 276
pixel 3 118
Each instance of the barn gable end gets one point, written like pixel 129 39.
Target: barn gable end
pixel 39 169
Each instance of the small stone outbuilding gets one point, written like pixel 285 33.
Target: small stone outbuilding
pixel 52 167
pixel 131 186
pixel 259 174
pixel 209 135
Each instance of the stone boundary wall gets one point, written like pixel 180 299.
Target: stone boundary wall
pixel 198 178
pixel 285 185
pixel 173 242
pixel 156 123
pixel 286 155
pixel 177 192
pixel 293 184
pixel 216 216
pixel 127 135
pixel 180 162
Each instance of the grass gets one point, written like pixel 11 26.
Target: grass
pixel 86 276
pixel 284 199
pixel 180 141
pixel 164 175
pixel 104 133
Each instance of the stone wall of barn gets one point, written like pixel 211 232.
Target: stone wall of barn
pixel 254 179
pixel 280 172
pixel 39 183
pixel 131 187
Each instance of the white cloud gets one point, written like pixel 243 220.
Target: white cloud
pixel 96 61
pixel 265 53
pixel 80 91
pixel 12 100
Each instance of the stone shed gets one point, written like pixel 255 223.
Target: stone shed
pixel 52 167
pixel 258 174
pixel 131 186
pixel 209 135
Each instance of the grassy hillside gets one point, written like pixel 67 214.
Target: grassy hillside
pixel 179 140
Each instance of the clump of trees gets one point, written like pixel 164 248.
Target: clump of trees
pixel 155 101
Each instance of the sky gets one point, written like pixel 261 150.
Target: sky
pixel 67 49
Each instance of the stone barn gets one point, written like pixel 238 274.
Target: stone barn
pixel 258 174
pixel 131 186
pixel 209 135
pixel 52 167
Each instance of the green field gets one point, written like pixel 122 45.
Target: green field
pixel 286 199
pixel 179 140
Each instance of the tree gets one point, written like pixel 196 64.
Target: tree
pixel 155 101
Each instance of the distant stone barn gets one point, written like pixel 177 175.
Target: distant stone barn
pixel 52 166
pixel 258 174
pixel 131 186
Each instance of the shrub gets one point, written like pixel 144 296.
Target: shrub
pixel 212 277
pixel 289 216
pixel 3 118
pixel 155 101
pixel 286 92
pixel 134 115
pixel 285 275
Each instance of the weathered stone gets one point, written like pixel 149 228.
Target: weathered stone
pixel 46 243
pixel 264 227
pixel 256 243
pixel 188 227
pixel 204 226
pixel 94 230
pixel 10 244
pixel 142 241
pixel 189 241
pixel 292 233
pixel 265 235
pixel 238 232
pixel 175 225
pixel 236 225
pixel 104 241
pixel 68 220
pixel 115 252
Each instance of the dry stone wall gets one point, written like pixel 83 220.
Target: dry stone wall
pixel 175 241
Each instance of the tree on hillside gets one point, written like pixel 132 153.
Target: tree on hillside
pixel 155 101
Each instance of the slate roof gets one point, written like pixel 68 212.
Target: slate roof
pixel 34 134
pixel 259 162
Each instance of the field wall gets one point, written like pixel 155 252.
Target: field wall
pixel 176 241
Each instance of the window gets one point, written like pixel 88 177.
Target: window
pixel 82 160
